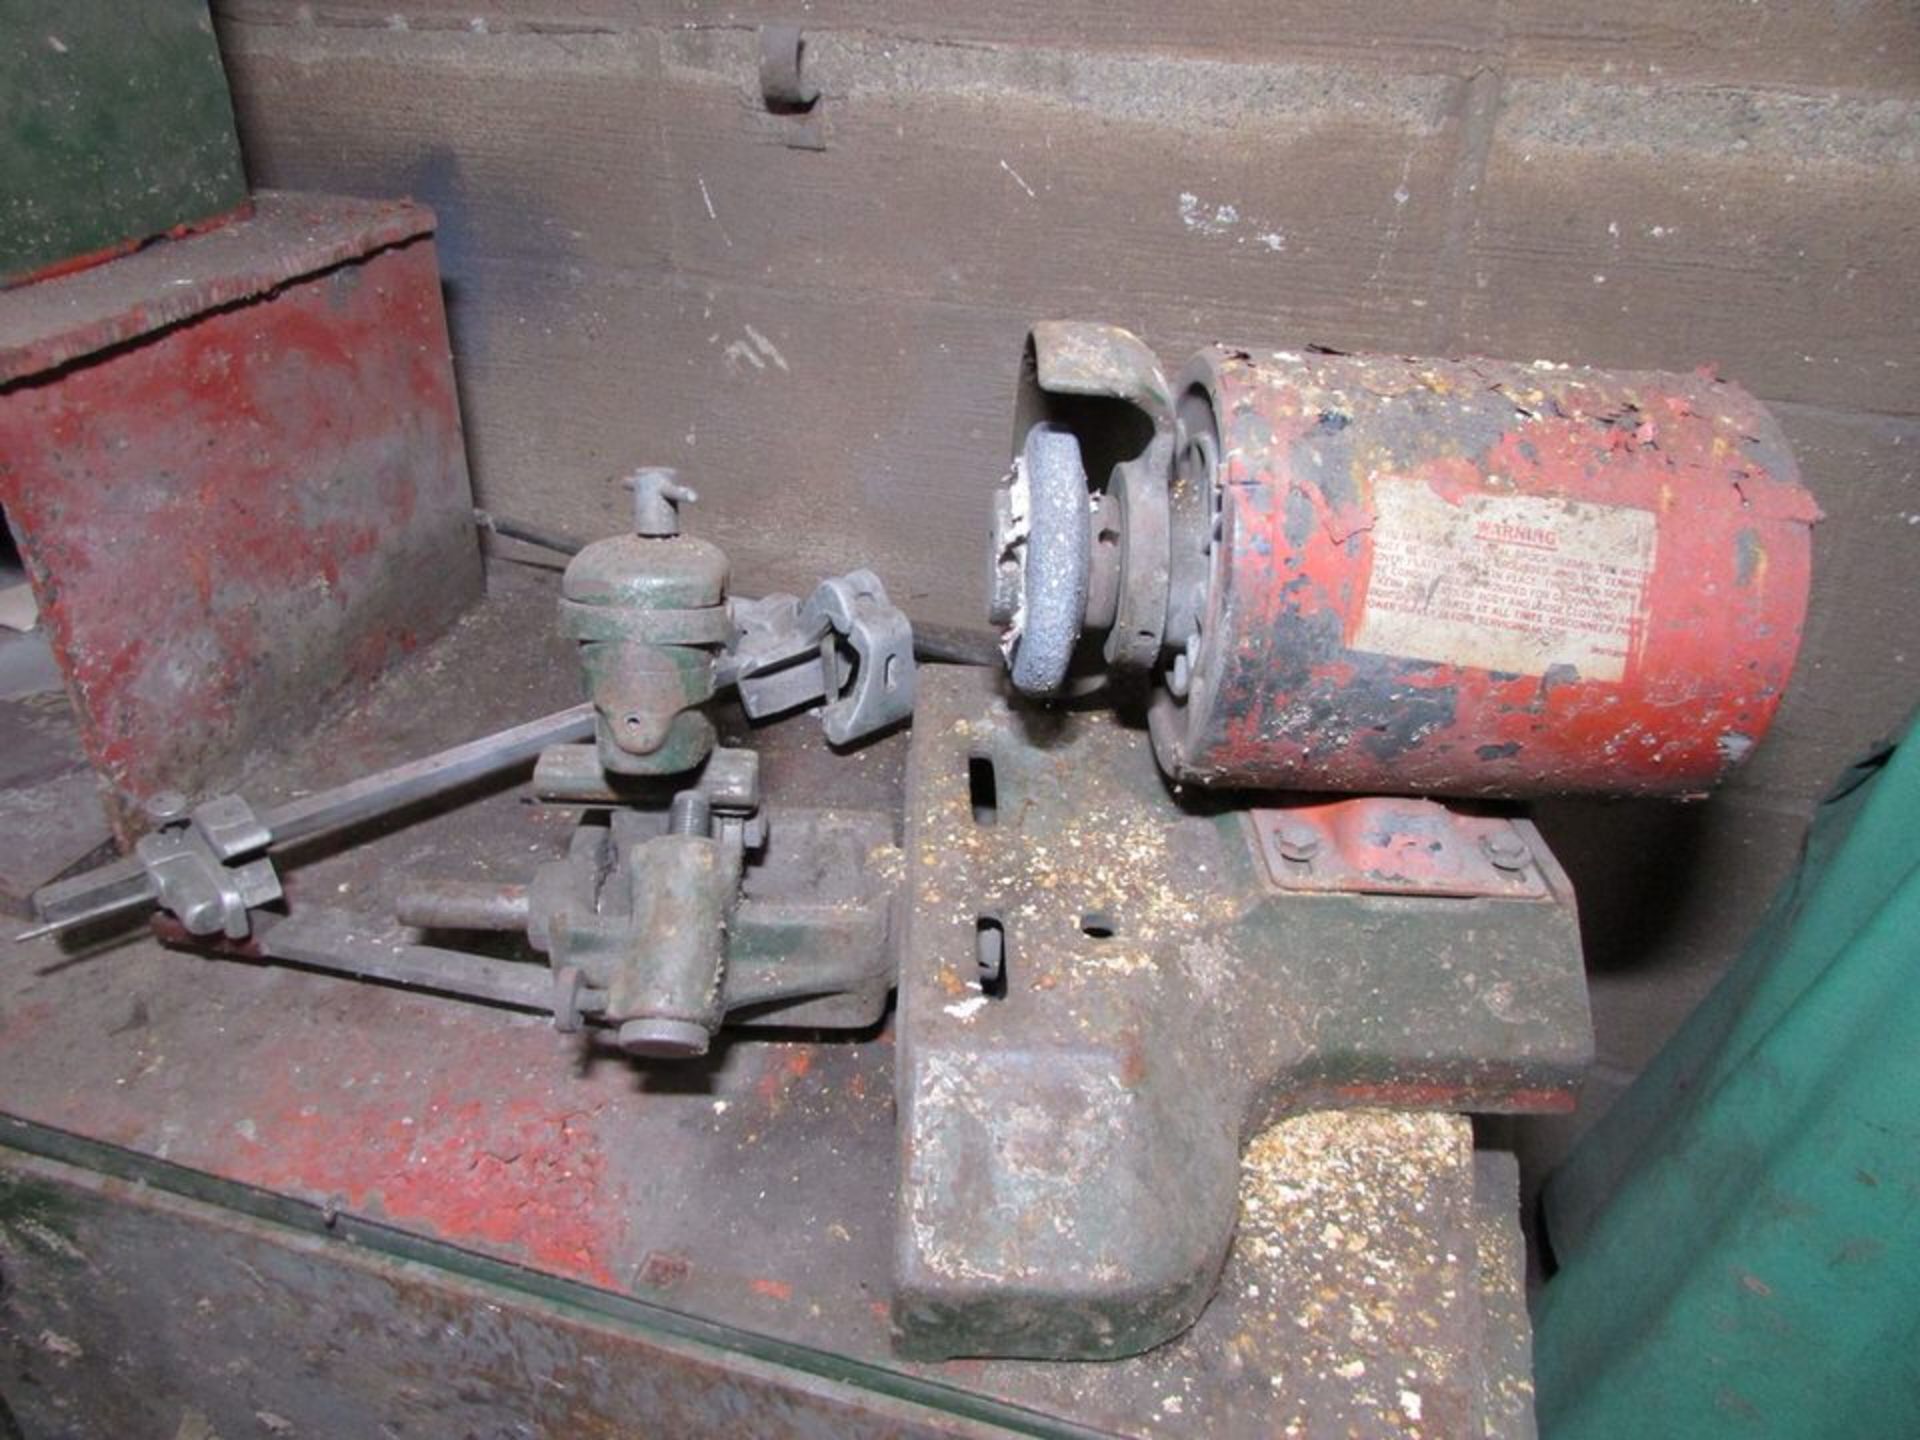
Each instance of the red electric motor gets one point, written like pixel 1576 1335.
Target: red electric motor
pixel 1368 573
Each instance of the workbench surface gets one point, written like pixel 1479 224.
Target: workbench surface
pixel 743 1203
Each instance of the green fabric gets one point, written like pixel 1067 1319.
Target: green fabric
pixel 115 126
pixel 1739 1238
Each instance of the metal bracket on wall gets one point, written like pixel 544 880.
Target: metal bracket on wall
pixel 787 90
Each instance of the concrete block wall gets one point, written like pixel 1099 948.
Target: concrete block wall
pixel 645 265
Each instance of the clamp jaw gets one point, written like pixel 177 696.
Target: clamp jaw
pixel 635 925
pixel 207 865
pixel 786 655
pixel 660 927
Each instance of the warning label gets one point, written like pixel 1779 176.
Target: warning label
pixel 1504 582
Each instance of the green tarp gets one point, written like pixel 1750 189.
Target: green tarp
pixel 115 127
pixel 1739 1238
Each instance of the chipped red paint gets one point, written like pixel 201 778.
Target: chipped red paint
pixel 1389 845
pixel 784 1067
pixel 230 519
pixel 1291 690
pixel 284 238
pixel 771 1289
pixel 73 264
pixel 488 1144
pixel 516 1175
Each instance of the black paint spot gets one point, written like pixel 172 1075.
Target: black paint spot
pixel 1408 722
pixel 1558 675
pixel 1300 519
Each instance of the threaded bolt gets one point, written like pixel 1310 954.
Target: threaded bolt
pixel 689 813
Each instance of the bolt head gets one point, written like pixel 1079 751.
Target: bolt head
pixel 1297 841
pixel 167 807
pixel 1506 850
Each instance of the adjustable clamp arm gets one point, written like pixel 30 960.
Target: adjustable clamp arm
pixel 848 646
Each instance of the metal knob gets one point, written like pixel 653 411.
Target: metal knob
pixel 664 1039
pixel 657 498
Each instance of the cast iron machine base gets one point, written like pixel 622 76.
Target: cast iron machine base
pixel 1107 987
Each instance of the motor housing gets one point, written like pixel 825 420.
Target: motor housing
pixel 1383 574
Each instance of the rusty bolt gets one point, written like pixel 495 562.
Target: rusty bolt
pixel 1297 841
pixel 1506 849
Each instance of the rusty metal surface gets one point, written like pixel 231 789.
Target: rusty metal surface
pixel 147 1300
pixel 1390 845
pixel 1070 1130
pixel 1477 578
pixel 286 236
pixel 255 497
pixel 1376 1289
pixel 753 1189
pixel 138 1312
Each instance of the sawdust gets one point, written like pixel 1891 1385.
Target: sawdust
pixel 1108 874
pixel 1354 1290
pixel 1350 1306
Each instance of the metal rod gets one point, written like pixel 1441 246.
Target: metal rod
pixel 331 940
pixel 118 888
pixel 955 645
pixel 528 534
pixel 124 886
pixel 389 790
pixel 463 905
pixel 99 912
